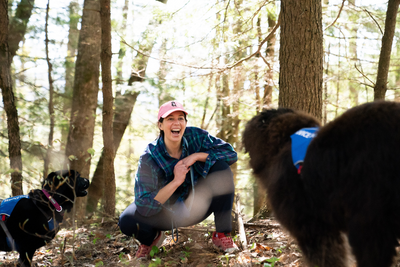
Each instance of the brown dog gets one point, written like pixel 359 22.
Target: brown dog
pixel 348 183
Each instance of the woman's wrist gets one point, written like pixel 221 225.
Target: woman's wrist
pixel 201 156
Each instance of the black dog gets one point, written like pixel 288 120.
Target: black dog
pixel 35 218
pixel 348 184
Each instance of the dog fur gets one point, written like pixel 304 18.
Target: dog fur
pixel 349 184
pixel 28 222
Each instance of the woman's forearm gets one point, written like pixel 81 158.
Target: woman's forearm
pixel 166 192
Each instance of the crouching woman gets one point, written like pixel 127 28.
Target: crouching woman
pixel 182 177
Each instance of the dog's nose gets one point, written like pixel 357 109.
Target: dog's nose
pixel 86 183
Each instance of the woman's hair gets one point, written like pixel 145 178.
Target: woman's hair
pixel 161 120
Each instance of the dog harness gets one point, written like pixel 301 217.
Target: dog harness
pixel 300 141
pixel 8 205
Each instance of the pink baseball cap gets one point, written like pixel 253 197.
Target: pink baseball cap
pixel 169 107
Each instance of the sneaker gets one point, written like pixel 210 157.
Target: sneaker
pixel 144 251
pixel 224 242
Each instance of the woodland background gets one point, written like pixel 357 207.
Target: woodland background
pixel 82 81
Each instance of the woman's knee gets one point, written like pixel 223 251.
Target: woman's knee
pixel 127 222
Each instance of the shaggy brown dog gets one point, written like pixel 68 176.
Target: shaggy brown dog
pixel 349 183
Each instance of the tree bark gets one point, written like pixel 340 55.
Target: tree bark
pixel 73 35
pixel 18 25
pixel 106 54
pixel 86 88
pixel 270 55
pixel 123 109
pixel 141 59
pixel 14 142
pixel 301 56
pixel 122 46
pixel 51 94
pixel 386 49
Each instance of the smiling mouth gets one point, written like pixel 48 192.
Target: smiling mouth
pixel 175 132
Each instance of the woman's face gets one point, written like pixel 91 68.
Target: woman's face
pixel 174 126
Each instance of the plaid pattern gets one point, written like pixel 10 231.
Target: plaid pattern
pixel 156 167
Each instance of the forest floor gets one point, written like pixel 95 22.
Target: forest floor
pixel 102 244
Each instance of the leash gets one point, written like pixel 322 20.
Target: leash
pixel 190 201
pixel 5 229
pixel 3 225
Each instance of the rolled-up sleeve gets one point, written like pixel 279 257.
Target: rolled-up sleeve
pixel 217 149
pixel 146 188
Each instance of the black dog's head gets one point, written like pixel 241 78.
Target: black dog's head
pixel 65 185
pixel 266 133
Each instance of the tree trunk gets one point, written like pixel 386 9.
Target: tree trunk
pixel 51 93
pixel 86 88
pixel 270 55
pixel 106 54
pixel 123 110
pixel 73 35
pixel 14 142
pixel 353 88
pixel 122 47
pixel 18 25
pixel 301 56
pixel 386 50
pixel 141 59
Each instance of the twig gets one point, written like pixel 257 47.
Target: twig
pixel 369 13
pixel 269 36
pixel 355 65
pixel 219 69
pixel 242 232
pixel 340 11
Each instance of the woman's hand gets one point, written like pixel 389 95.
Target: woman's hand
pixel 180 171
pixel 191 159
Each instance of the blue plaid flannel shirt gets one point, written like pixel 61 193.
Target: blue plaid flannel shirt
pixel 156 167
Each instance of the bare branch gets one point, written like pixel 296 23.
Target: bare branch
pixel 369 13
pixel 340 11
pixel 355 65
pixel 269 36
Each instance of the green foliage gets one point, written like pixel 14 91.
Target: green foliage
pixel 271 262
pixel 154 250
pixel 155 262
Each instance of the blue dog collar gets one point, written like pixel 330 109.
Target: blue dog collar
pixel 300 141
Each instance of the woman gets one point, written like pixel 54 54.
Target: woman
pixel 182 177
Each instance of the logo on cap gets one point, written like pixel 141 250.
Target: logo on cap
pixel 173 104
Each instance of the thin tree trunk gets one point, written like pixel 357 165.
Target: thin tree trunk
pixel 123 109
pixel 301 56
pixel 18 25
pixel 141 59
pixel 106 54
pixel 353 86
pixel 51 93
pixel 73 35
pixel 270 54
pixel 86 88
pixel 202 125
pixel 122 46
pixel 14 142
pixel 386 50
pixel 325 93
